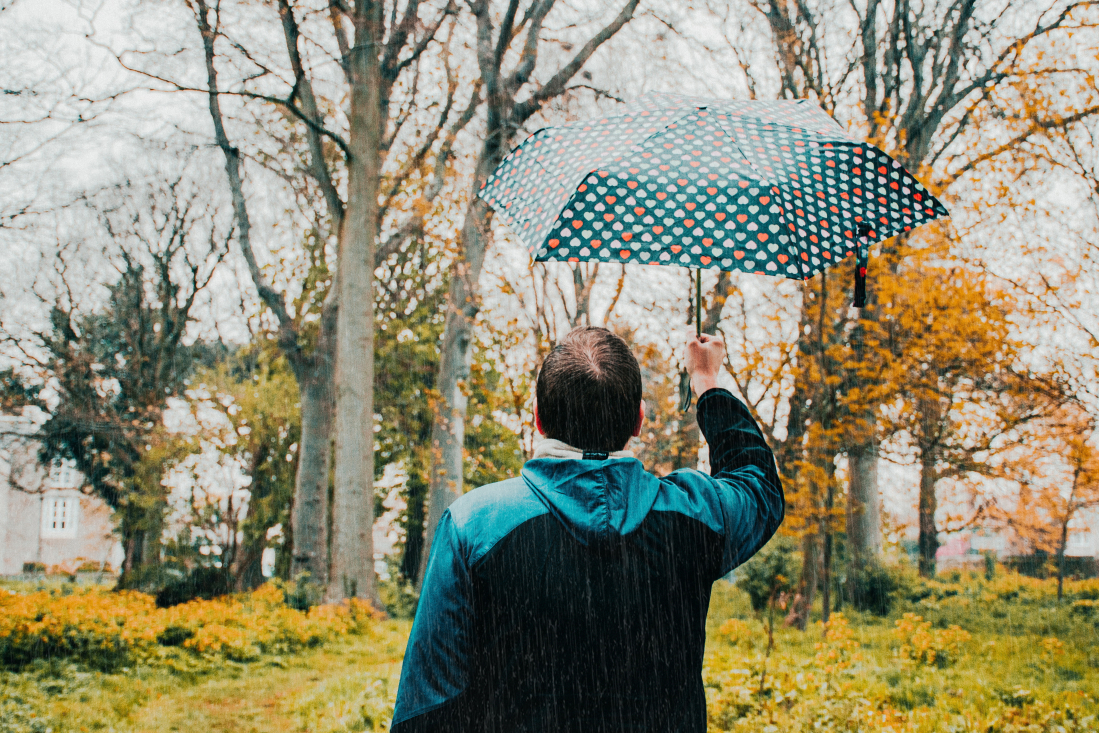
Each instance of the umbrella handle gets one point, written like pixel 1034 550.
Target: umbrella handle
pixel 698 302
pixel 684 377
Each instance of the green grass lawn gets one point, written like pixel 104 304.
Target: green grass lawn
pixel 1029 665
pixel 342 686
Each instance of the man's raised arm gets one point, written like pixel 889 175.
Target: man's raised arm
pixel 752 501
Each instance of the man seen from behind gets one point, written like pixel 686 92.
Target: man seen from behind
pixel 574 598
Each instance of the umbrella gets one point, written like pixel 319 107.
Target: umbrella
pixel 770 187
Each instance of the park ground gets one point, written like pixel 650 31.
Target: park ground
pixel 968 655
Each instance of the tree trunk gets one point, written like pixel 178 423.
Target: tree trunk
pixel 863 513
pixel 1061 559
pixel 449 429
pixel 828 542
pixel 415 523
pixel 314 373
pixel 864 504
pixel 807 585
pixel 353 498
pixel 141 528
pixel 929 538
pixel 826 579
pixel 247 568
pixel 309 511
pixel 132 543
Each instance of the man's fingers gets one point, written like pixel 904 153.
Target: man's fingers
pixel 711 342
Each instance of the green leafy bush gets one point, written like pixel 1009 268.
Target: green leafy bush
pixel 772 571
pixel 875 588
pixel 301 593
pixel 204 583
pixel 174 636
pixel 399 597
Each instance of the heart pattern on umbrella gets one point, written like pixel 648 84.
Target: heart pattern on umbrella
pixel 774 188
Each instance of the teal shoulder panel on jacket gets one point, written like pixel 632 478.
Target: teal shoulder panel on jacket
pixel 487 514
pixel 694 494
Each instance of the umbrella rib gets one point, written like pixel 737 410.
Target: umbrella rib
pixel 796 249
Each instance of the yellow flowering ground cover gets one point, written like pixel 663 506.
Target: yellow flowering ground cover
pixel 999 656
pixel 105 629
pixel 920 643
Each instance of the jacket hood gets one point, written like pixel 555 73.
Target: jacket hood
pixel 594 500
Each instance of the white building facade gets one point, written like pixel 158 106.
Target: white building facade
pixel 47 522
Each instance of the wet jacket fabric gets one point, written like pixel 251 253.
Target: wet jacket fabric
pixel 574 598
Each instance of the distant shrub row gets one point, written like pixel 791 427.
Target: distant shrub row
pixel 880 588
pixel 83 566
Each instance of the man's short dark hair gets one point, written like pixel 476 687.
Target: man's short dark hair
pixel 589 391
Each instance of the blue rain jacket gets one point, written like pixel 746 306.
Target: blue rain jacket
pixel 574 598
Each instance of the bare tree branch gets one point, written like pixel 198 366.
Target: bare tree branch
pixel 267 294
pixel 303 88
pixel 557 83
pixel 1036 127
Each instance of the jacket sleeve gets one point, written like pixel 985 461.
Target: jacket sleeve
pixel 435 676
pixel 743 466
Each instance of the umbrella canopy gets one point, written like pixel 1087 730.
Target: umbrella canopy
pixel 770 187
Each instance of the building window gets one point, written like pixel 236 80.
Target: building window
pixel 63 474
pixel 59 516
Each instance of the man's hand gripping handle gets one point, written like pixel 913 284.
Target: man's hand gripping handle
pixel 705 359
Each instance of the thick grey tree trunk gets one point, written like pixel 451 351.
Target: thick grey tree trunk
pixel 864 530
pixel 864 502
pixel 309 514
pixel 353 497
pixel 863 512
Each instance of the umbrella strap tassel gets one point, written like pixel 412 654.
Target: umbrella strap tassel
pixel 860 282
pixel 684 391
pixel 862 256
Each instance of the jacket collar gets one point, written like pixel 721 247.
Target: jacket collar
pixel 550 448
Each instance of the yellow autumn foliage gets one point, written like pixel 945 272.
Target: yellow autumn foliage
pixel 110 628
pixel 924 645
pixel 736 631
pixel 838 651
